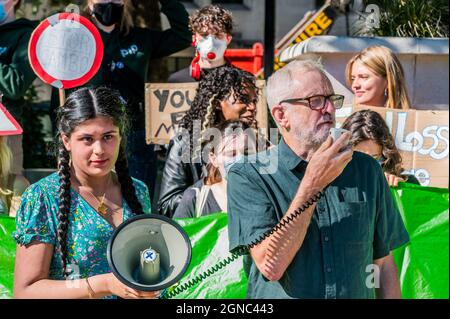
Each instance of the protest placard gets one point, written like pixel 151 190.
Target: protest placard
pixel 422 137
pixel 166 104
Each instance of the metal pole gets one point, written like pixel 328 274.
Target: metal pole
pixel 269 37
pixel 347 20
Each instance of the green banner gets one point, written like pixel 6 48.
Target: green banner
pixel 209 239
pixel 422 265
pixel 7 255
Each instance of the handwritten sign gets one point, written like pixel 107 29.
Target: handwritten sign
pixel 65 50
pixel 167 103
pixel 422 137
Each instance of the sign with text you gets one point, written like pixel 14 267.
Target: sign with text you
pixel 422 137
pixel 167 103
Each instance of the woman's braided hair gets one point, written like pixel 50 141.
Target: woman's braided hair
pixel 82 105
pixel 215 86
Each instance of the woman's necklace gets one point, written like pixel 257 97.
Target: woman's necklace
pixel 102 207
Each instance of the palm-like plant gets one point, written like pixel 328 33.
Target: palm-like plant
pixel 412 18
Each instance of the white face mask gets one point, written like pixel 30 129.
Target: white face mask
pixel 212 48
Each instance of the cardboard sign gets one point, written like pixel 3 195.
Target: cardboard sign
pixel 8 125
pixel 167 103
pixel 422 137
pixel 65 50
pixel 314 24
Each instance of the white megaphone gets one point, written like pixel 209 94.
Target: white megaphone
pixel 149 252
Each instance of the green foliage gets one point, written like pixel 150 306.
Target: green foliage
pixel 412 18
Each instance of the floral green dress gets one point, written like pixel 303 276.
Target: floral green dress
pixel 87 235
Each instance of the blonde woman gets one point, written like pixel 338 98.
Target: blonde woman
pixel 11 186
pixel 376 77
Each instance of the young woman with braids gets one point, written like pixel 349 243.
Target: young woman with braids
pixel 64 221
pixel 225 93
pixel 370 135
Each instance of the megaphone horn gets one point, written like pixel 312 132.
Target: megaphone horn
pixel 149 252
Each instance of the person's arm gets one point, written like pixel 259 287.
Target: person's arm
pixel 186 207
pixel 273 255
pixel 178 37
pixel 276 252
pixel 176 178
pixel 16 77
pixel 31 279
pixel 410 178
pixel 393 180
pixel 389 234
pixel 389 283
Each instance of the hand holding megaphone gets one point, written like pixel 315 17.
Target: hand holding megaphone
pixel 117 288
pixel 328 162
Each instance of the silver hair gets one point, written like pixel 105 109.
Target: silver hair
pixel 280 84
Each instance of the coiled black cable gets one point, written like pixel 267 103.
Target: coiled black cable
pixel 243 250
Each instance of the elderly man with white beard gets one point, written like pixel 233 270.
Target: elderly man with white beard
pixel 338 247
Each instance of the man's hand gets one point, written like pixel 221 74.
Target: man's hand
pixel 327 163
pixel 393 180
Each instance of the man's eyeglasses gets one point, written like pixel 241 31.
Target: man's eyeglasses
pixel 317 102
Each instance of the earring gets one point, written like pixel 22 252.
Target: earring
pixel 385 92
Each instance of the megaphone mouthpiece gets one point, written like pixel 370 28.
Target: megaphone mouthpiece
pixel 149 272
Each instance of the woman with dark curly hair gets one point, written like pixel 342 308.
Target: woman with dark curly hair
pixel 225 93
pixel 64 221
pixel 370 135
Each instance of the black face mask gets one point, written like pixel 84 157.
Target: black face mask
pixel 108 14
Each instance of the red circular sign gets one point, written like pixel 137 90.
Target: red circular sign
pixel 65 50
